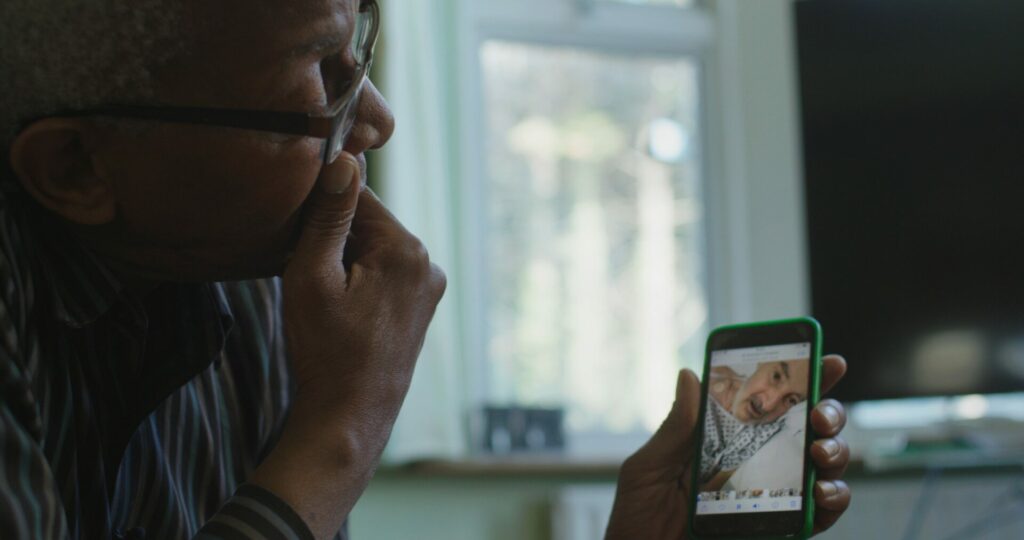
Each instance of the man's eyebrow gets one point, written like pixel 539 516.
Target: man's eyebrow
pixel 785 369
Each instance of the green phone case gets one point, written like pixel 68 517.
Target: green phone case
pixel 812 400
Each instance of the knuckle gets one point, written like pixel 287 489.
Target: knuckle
pixel 413 257
pixel 417 254
pixel 438 280
pixel 313 283
pixel 832 415
pixel 329 221
pixel 629 466
pixel 405 252
pixel 409 259
pixel 844 447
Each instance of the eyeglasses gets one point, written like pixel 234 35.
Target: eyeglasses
pixel 334 127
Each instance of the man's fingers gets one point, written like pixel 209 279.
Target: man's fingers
pixel 828 418
pixel 373 214
pixel 328 215
pixel 831 499
pixel 833 367
pixel 376 227
pixel 831 454
pixel 831 457
pixel 688 391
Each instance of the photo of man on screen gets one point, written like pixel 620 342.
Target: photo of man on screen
pixel 747 406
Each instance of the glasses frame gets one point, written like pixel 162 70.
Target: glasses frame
pixel 324 126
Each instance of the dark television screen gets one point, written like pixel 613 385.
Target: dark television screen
pixel 913 133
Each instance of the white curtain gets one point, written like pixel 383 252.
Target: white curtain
pixel 417 174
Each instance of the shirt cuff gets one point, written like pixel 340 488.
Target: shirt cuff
pixel 254 512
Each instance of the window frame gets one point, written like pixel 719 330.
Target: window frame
pixel 669 31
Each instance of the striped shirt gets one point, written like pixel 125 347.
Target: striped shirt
pixel 132 417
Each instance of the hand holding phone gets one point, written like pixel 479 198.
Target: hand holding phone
pixel 654 488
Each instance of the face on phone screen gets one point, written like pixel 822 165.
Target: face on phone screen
pixel 752 455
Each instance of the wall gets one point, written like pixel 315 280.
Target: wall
pixel 758 241
pixel 426 507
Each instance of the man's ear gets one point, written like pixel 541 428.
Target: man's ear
pixel 55 162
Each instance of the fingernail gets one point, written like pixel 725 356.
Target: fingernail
pixel 830 446
pixel 831 414
pixel 337 182
pixel 828 489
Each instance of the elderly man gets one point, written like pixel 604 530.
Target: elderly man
pixel 763 396
pixel 163 162
pixel 745 412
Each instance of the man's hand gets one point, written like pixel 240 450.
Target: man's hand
pixel 652 498
pixel 359 293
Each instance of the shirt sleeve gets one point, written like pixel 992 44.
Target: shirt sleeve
pixel 263 380
pixel 30 503
pixel 257 514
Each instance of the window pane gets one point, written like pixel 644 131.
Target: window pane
pixel 594 233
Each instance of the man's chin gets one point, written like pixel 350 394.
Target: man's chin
pixel 262 266
pixel 264 269
pixel 270 263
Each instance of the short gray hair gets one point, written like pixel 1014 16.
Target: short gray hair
pixel 72 54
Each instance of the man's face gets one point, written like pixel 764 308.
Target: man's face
pixel 771 391
pixel 198 202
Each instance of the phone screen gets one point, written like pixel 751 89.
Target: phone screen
pixel 751 471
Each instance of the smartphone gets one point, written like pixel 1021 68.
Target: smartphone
pixel 753 475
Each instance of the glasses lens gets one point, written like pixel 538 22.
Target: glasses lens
pixel 363 37
pixel 362 40
pixel 343 127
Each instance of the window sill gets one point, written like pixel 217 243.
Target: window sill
pixel 509 467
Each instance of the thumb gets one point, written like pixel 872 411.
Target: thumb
pixel 673 442
pixel 329 212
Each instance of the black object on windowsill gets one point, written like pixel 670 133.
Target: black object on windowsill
pixel 522 430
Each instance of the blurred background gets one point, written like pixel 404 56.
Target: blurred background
pixel 604 181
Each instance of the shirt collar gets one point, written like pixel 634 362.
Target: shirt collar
pixel 82 289
pixel 188 326
pixel 75 285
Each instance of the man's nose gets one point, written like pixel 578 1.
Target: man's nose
pixel 374 122
pixel 771 400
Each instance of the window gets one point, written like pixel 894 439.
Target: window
pixel 591 212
